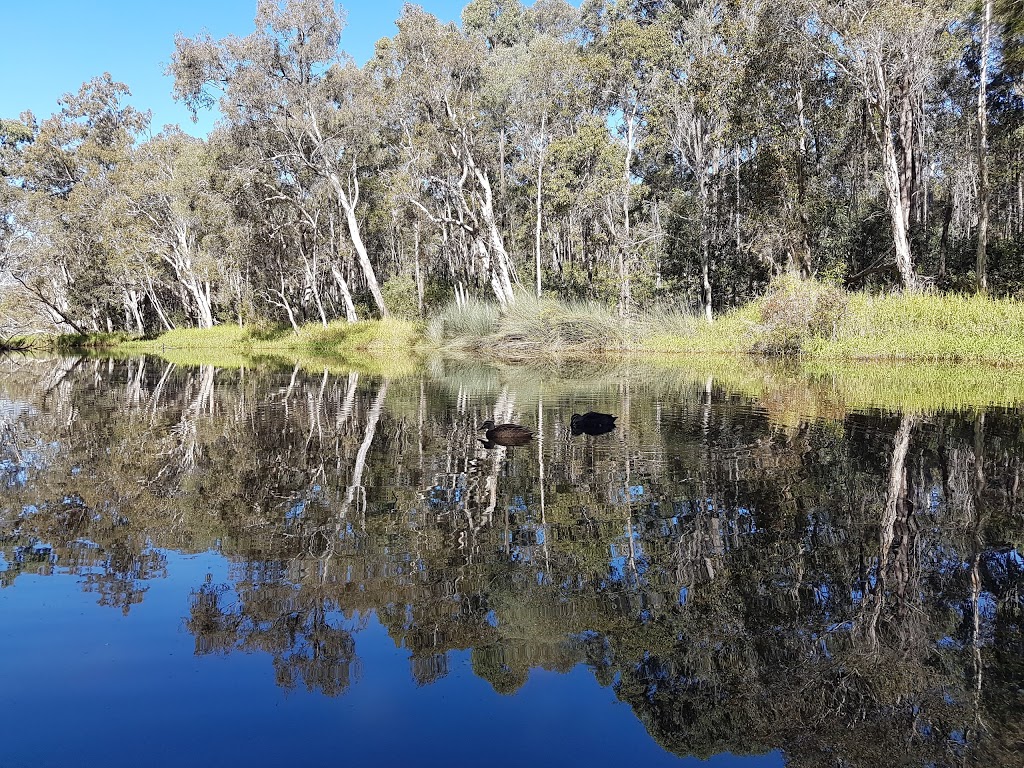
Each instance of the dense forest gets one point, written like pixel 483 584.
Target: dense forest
pixel 638 153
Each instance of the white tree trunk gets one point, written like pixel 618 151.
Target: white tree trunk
pixel 348 206
pixel 540 181
pixel 981 257
pixel 501 275
pixel 346 295
pixel 893 186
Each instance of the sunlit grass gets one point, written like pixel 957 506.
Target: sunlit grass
pixel 929 327
pixel 809 320
pixel 384 347
pixel 904 327
pixel 336 337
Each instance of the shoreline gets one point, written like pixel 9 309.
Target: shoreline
pixel 801 322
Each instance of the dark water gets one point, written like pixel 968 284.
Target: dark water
pixel 272 567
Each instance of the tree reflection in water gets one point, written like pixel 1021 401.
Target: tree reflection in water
pixel 847 589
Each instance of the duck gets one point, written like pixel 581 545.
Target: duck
pixel 505 434
pixel 591 423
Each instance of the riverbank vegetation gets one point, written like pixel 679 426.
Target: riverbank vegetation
pixel 796 318
pixel 612 158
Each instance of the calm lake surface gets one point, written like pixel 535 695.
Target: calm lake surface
pixel 268 566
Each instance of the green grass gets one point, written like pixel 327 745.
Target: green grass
pixel 953 328
pixel 859 326
pixel 803 319
pixel 385 347
pixel 336 338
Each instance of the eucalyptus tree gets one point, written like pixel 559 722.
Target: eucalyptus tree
pixel 433 77
pixel 66 175
pixel 625 58
pixel 780 131
pixel 546 97
pixel 290 82
pixel 981 254
pixel 892 50
pixel 171 212
pixel 15 236
pixel 694 96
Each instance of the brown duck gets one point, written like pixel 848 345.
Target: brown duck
pixel 505 434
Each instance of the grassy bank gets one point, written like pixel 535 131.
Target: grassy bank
pixel 814 321
pixel 796 319
pixel 381 346
pixel 803 319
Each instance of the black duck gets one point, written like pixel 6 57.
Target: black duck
pixel 505 434
pixel 591 423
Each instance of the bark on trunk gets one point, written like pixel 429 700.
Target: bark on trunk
pixel 346 294
pixel 981 256
pixel 348 204
pixel 894 189
pixel 540 179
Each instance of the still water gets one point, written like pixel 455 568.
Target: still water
pixel 270 566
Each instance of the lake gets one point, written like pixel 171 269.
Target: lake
pixel 262 564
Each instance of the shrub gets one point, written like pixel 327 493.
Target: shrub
pixel 400 297
pixel 795 311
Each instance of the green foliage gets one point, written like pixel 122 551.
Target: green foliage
pixel 644 153
pixel 14 344
pixel 75 342
pixel 796 311
pixel 400 297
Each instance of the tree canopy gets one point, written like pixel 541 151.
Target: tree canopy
pixel 634 153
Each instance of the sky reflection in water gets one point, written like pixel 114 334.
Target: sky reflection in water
pixel 275 566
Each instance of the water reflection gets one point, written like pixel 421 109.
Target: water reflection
pixel 847 590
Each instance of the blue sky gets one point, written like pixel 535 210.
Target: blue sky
pixel 50 47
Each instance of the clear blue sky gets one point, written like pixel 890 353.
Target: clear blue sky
pixel 50 47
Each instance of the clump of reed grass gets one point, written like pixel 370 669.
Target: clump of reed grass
pixel 474 319
pixel 532 327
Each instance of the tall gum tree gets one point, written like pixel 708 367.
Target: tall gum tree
pixel 433 75
pixel 892 50
pixel 291 77
pixel 66 173
pixel 981 254
pixel 539 82
pixel 624 58
pixel 166 194
pixel 695 97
